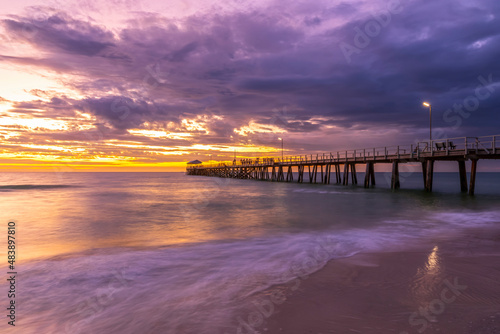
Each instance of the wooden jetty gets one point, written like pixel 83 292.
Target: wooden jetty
pixel 321 166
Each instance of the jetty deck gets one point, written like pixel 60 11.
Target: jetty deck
pixel 321 166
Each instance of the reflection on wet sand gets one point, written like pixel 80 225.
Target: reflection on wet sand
pixel 428 279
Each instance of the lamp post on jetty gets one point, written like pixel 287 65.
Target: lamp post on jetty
pixel 281 148
pixel 430 120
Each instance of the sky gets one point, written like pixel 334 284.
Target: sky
pixel 148 85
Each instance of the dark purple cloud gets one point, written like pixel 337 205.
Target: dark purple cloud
pixel 60 33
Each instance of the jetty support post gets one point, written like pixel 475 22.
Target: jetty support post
pixel 289 174
pixel 372 172
pixel 301 174
pixel 473 170
pixel 463 175
pixel 369 174
pixel 424 173
pixel 281 176
pixel 429 175
pixel 337 174
pixel 324 178
pixel 395 175
pixel 346 174
pixel 354 176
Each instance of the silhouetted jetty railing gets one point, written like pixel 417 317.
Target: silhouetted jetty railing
pixel 427 152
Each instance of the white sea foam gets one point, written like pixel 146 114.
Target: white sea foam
pixel 195 288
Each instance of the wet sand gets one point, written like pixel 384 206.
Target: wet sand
pixel 447 286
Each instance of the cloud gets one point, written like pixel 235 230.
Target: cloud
pixel 60 33
pixel 237 68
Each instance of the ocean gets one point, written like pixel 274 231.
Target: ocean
pixel 171 253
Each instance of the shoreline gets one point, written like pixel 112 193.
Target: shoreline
pixel 447 286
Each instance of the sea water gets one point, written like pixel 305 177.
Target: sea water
pixel 171 253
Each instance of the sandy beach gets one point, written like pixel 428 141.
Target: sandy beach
pixel 449 286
